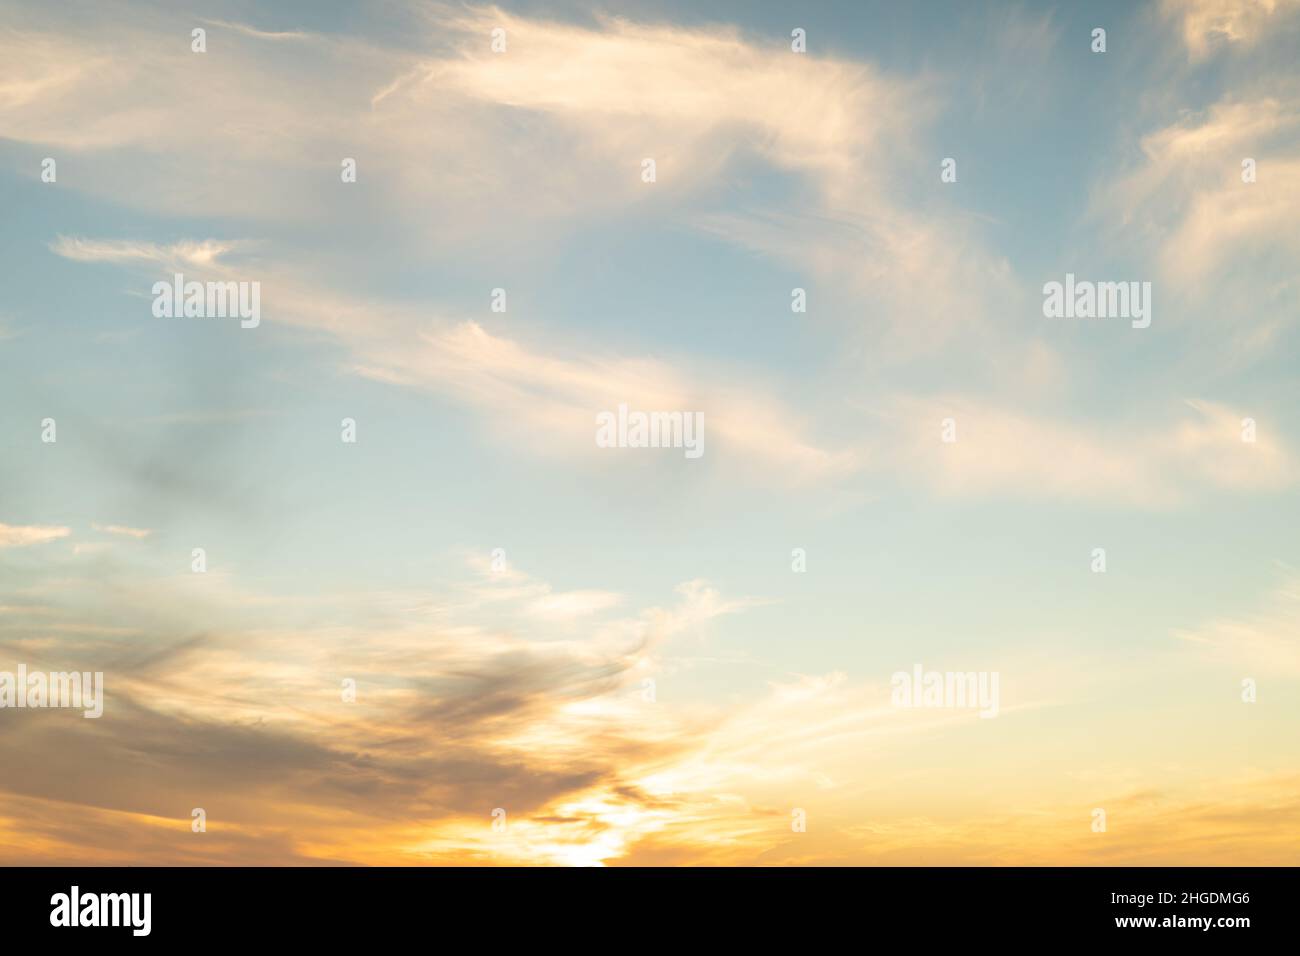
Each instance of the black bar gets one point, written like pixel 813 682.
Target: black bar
pixel 542 906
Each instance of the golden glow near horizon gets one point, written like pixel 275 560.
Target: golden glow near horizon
pixel 657 442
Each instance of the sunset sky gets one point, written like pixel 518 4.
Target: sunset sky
pixel 641 676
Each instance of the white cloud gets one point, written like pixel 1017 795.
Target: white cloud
pixel 570 605
pixel 1005 452
pixel 1209 25
pixel 550 395
pixel 137 533
pixel 120 251
pixel 1222 250
pixel 20 536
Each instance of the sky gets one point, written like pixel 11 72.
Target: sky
pixel 472 635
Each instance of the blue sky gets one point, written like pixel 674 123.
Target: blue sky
pixel 775 170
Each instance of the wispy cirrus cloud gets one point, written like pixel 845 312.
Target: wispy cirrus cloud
pixel 206 253
pixel 1189 194
pixel 477 718
pixel 545 398
pixel 21 536
pixel 721 101
pixel 534 395
pixel 1212 25
pixel 1264 644
pixel 551 395
pixel 123 530
pixel 500 688
pixel 451 720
